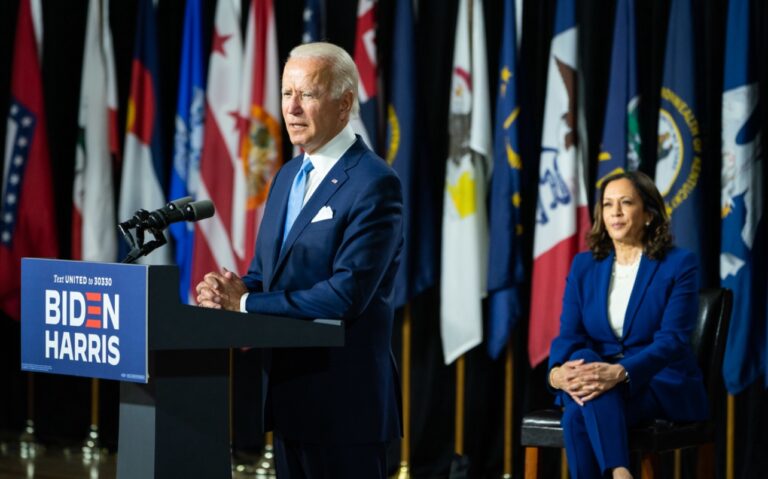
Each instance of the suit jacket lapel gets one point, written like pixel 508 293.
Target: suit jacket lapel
pixel 645 273
pixel 604 269
pixel 271 229
pixel 334 180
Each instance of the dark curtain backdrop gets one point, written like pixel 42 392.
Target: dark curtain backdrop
pixel 61 404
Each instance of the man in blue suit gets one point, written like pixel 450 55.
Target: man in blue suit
pixel 328 247
pixel 624 353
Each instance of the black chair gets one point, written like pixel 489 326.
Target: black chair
pixel 542 428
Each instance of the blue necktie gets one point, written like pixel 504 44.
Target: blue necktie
pixel 296 198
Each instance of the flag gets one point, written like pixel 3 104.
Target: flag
pixel 190 114
pixel 367 123
pixel 743 228
pixel 620 146
pixel 143 177
pixel 94 231
pixel 221 175
pixel 465 222
pixel 505 266
pixel 562 216
pixel 27 217
pixel 314 21
pixel 678 164
pixel 259 125
pixel 416 272
pixel 243 139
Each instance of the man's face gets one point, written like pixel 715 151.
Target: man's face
pixel 311 115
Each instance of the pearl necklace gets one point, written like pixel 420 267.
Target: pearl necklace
pixel 622 271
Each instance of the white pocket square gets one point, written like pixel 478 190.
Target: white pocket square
pixel 325 213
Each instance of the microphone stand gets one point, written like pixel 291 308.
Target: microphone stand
pixel 140 223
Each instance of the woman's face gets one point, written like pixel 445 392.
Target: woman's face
pixel 624 214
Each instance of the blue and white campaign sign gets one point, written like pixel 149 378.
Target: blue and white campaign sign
pixel 84 319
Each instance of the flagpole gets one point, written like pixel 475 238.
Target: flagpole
pixel 729 436
pixel 92 444
pixel 28 446
pixel 405 444
pixel 459 418
pixel 509 384
pixel 460 362
pixel 231 389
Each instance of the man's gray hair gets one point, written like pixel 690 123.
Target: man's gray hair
pixel 344 76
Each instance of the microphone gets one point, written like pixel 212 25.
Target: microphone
pixel 199 210
pixel 170 213
pixel 182 209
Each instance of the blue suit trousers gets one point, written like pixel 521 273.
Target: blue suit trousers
pixel 596 434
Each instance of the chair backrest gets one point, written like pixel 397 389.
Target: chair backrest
pixel 708 339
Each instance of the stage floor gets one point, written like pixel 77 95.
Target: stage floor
pixel 52 462
pixel 68 462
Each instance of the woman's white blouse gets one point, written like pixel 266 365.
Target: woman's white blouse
pixel 622 280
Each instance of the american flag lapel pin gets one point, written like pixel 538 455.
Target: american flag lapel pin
pixel 334 180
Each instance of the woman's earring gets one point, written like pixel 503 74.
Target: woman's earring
pixel 647 223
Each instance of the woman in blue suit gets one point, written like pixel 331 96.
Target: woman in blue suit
pixel 623 354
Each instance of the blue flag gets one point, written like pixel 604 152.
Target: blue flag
pixel 143 178
pixel 505 266
pixel 314 21
pixel 188 144
pixel 620 149
pixel 416 271
pixel 678 167
pixel 743 235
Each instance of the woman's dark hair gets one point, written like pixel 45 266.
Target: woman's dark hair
pixel 657 239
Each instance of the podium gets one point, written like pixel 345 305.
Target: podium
pixel 177 424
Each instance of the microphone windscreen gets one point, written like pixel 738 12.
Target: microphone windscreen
pixel 199 210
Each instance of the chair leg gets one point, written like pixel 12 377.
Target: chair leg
pixel 649 466
pixel 705 461
pixel 532 455
pixel 563 464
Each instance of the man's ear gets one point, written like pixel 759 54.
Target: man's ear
pixel 347 99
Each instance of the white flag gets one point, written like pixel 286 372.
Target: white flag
pixel 465 223
pixel 94 232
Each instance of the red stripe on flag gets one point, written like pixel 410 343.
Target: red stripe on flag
pixel 550 271
pixel 216 171
pixel 366 66
pixel 202 260
pixel 93 296
pixel 114 140
pixel 141 104
pixel 94 310
pixel 261 11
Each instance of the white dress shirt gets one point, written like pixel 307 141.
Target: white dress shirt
pixel 326 156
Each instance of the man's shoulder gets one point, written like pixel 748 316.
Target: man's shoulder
pixel 367 162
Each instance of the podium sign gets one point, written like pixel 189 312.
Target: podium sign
pixel 84 319
pixel 105 320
